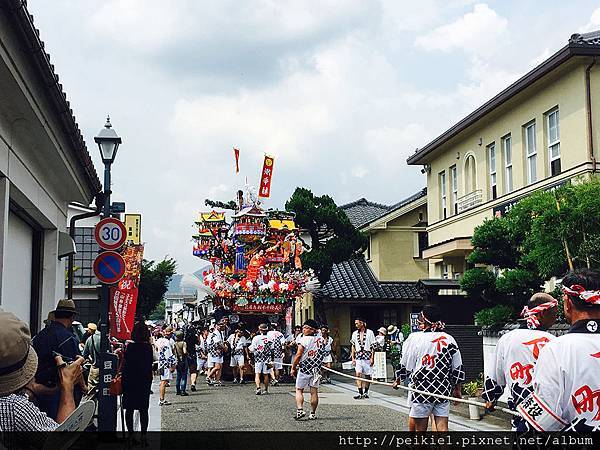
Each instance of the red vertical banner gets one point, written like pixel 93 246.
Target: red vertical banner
pixel 265 177
pixel 123 296
pixel 236 153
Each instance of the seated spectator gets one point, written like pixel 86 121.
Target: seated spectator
pixel 18 389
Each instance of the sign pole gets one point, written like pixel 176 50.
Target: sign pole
pixel 107 405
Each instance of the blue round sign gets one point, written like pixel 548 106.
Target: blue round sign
pixel 109 267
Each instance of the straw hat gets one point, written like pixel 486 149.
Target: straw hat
pixel 65 305
pixel 382 330
pixel 392 329
pixel 18 360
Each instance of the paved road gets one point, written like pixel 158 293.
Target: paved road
pixel 237 408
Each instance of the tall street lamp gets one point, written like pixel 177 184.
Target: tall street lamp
pixel 108 142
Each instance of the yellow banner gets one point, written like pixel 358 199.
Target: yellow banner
pixel 133 224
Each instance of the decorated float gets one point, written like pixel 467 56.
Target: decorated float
pixel 256 269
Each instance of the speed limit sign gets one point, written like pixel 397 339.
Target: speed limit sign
pixel 110 233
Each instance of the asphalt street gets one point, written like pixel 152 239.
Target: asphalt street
pixel 237 408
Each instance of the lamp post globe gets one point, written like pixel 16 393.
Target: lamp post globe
pixel 108 142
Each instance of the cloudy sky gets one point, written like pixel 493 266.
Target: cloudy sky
pixel 339 92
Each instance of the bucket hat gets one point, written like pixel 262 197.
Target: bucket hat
pixel 65 305
pixel 18 360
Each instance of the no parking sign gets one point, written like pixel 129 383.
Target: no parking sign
pixel 109 267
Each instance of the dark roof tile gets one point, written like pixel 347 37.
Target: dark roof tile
pixel 354 280
pixel 362 212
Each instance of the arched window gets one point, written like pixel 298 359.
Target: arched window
pixel 470 174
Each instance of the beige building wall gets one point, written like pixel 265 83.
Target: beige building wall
pixel 565 90
pixel 394 247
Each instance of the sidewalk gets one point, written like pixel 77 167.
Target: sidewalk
pixel 397 399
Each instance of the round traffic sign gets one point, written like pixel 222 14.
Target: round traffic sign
pixel 109 267
pixel 110 233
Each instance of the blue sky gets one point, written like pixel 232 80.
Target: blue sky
pixel 340 92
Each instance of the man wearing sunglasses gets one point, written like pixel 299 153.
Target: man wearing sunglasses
pixel 306 366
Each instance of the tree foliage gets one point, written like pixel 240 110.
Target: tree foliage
pixel 222 205
pixel 541 237
pixel 158 313
pixel 334 238
pixel 154 281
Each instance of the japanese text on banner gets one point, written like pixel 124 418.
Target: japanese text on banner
pixel 123 297
pixel 265 177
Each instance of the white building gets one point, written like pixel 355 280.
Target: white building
pixel 44 165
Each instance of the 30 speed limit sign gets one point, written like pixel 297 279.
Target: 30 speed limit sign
pixel 110 233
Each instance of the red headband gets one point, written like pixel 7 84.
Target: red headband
pixel 531 314
pixel 439 325
pixel 578 291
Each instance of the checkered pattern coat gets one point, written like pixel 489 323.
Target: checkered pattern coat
pixel 432 362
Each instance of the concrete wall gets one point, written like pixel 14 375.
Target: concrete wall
pixel 40 176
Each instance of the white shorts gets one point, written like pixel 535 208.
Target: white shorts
pixel 166 375
pixel 261 367
pixel 304 380
pixel 423 410
pixel 278 363
pixel 212 360
pixel 364 366
pixel 237 361
pixel 327 359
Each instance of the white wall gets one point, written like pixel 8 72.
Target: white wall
pixel 16 297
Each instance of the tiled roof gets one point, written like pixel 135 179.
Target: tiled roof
pixel 363 212
pixel 34 46
pixel 354 280
pixel 592 38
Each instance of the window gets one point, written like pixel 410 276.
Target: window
pixel 508 172
pixel 493 177
pixel 531 153
pixel 369 249
pixel 470 175
pixel 445 271
pixel 554 142
pixel 87 250
pixel 454 188
pixel 443 194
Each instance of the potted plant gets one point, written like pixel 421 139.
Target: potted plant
pixel 471 389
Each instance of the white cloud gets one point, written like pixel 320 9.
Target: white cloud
pixel 474 32
pixel 340 92
pixel 593 24
pixel 359 171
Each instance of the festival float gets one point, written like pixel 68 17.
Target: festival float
pixel 256 269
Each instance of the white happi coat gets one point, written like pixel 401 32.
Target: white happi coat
pixel 433 362
pixel 363 348
pixel 278 342
pixel 514 365
pixel 566 383
pixel 262 348
pixel 312 357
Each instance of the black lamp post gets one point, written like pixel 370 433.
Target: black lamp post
pixel 108 142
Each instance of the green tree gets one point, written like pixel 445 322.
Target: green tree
pixel 158 312
pixel 541 237
pixel 154 281
pixel 334 238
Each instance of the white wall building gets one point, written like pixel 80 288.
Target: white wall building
pixel 44 165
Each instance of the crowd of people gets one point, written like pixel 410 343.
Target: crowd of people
pixel 552 381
